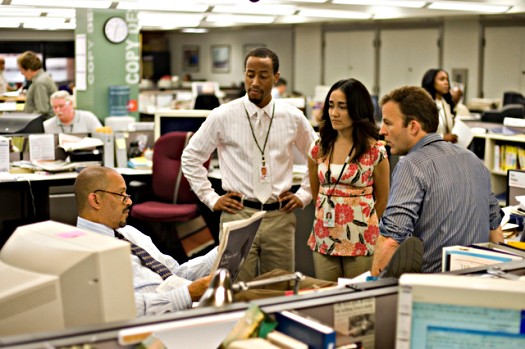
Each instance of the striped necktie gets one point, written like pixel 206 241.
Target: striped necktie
pixel 146 258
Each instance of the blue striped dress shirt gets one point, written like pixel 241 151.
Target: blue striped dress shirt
pixel 145 280
pixel 441 193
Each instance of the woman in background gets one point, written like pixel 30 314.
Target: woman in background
pixel 436 83
pixel 348 168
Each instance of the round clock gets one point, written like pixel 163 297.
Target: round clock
pixel 116 29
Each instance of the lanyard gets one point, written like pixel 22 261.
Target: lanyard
pixel 267 133
pixel 329 173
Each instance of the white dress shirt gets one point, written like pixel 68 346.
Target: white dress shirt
pixel 227 129
pixel 145 280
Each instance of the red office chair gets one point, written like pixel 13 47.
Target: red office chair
pixel 158 218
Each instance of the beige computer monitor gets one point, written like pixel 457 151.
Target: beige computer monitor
pixel 94 275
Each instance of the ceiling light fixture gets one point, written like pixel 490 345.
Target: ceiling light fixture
pixel 161 7
pixel 63 3
pixel 335 14
pixel 240 19
pixel 410 4
pixel 257 10
pixel 467 6
pixel 195 30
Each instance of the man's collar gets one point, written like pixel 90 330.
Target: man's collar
pixel 252 109
pixel 95 227
pixel 428 138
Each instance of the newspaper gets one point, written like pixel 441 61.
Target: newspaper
pixel 236 242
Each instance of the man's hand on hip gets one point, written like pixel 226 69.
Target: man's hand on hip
pixel 293 201
pixel 228 203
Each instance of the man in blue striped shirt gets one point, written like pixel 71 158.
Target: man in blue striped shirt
pixel 103 207
pixel 441 193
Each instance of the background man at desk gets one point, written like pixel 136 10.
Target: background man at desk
pixel 42 86
pixel 67 119
pixel 103 207
pixel 441 192
pixel 250 133
pixel 279 89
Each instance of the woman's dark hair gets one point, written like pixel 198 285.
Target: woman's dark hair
pixel 361 111
pixel 428 84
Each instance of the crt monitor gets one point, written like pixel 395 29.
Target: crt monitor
pixel 56 271
pixel 11 123
pixel 179 120
pixel 469 312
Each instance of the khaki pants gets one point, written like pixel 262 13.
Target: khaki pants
pixel 279 289
pixel 333 267
pixel 274 244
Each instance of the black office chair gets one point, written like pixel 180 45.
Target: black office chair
pixel 508 111
pixel 206 101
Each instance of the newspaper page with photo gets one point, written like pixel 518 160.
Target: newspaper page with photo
pixel 236 242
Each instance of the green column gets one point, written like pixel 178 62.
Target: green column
pixel 108 63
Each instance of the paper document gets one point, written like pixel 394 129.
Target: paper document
pixel 70 143
pixel 236 242
pixel 465 134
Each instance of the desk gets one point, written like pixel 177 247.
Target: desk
pixel 34 198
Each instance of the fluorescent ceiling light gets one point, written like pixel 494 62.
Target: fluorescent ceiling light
pixel 257 10
pixel 195 30
pixel 170 24
pixel 164 6
pixel 19 14
pixel 240 19
pixel 67 26
pixel 335 14
pixel 467 6
pixel 165 17
pixel 314 1
pixel 64 3
pixel 294 19
pixel 411 4
pixel 9 24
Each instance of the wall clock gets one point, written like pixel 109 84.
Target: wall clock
pixel 116 29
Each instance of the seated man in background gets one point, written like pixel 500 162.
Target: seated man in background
pixel 67 119
pixel 441 192
pixel 279 88
pixel 103 207
pixel 42 86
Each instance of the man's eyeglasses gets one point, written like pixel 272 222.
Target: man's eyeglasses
pixel 125 197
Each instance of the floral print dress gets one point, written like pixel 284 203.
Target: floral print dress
pixel 356 225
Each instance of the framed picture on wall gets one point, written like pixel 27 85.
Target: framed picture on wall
pixel 246 48
pixel 220 59
pixel 190 58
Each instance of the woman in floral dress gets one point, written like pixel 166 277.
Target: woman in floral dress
pixel 349 177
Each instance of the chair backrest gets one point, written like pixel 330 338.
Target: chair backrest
pixel 508 111
pixel 166 164
pixel 206 101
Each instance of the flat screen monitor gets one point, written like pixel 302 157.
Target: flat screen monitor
pixel 11 123
pixel 93 271
pixel 469 312
pixel 179 120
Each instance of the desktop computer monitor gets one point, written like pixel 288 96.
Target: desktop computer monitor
pixel 449 311
pixel 178 120
pixel 11 123
pixel 50 268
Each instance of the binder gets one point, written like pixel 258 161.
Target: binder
pixel 108 159
pixel 305 329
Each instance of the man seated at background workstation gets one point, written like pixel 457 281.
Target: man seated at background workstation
pixel 67 119
pixel 441 192
pixel 279 89
pixel 103 207
pixel 42 86
pixel 253 133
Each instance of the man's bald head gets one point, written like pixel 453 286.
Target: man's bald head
pixel 88 180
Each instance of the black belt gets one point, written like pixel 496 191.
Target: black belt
pixel 260 206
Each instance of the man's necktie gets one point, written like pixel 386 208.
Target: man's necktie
pixel 146 258
pixel 261 190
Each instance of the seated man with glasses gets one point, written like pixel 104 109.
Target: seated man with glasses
pixel 67 119
pixel 103 207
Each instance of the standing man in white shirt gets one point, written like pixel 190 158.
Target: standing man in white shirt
pixel 3 81
pixel 253 133
pixel 67 119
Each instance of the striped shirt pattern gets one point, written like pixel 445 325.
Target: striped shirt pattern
pixel 145 281
pixel 441 193
pixel 227 130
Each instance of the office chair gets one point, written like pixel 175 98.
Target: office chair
pixel 159 216
pixel 508 111
pixel 206 101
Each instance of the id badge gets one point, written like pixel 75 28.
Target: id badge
pixel 329 218
pixel 264 174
